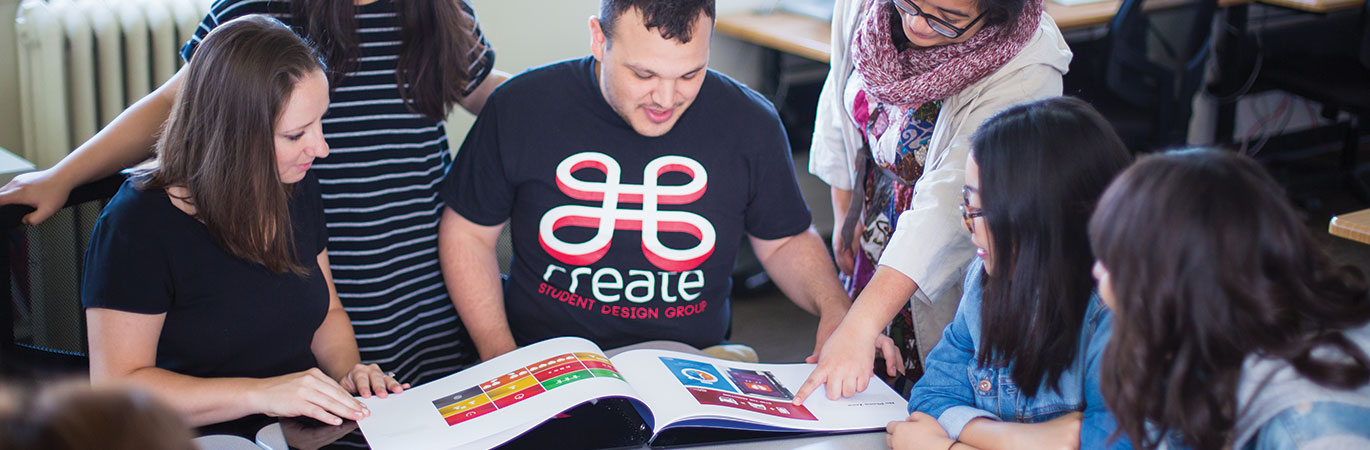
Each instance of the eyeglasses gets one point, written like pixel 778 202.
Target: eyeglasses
pixel 969 213
pixel 938 25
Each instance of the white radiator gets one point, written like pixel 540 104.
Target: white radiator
pixel 81 62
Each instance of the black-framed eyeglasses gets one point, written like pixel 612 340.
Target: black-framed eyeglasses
pixel 938 25
pixel 969 213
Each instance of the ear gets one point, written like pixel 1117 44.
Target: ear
pixel 598 41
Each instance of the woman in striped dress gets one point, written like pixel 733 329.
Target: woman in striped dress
pixel 395 68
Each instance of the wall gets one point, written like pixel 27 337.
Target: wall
pixel 559 30
pixel 10 136
pixel 555 31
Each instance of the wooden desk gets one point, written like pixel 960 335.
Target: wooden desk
pixel 811 38
pixel 1315 6
pixel 1354 226
pixel 789 33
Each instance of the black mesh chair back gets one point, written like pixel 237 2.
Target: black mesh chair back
pixel 41 322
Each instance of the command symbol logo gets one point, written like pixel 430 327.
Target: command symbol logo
pixel 607 216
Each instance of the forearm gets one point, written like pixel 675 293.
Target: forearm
pixel 335 345
pixel 801 268
pixel 475 101
pixel 989 434
pixel 471 272
pixel 201 401
pixel 125 141
pixel 477 295
pixel 841 199
pixel 887 292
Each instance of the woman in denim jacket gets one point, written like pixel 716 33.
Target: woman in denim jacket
pixel 1234 330
pixel 1018 365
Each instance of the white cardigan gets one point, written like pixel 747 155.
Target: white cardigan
pixel 930 244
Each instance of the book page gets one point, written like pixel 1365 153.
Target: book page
pixel 692 390
pixel 494 401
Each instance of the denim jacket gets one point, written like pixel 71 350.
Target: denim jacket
pixel 1282 409
pixel 955 389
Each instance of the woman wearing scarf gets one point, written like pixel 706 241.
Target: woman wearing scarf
pixel 910 82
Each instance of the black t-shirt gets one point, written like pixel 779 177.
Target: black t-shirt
pixel 618 237
pixel 225 316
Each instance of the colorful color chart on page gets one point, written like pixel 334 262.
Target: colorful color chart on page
pixel 522 384
pixel 750 390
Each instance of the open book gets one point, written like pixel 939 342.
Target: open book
pixel 498 400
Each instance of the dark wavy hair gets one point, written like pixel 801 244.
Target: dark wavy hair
pixel 219 140
pixel 996 12
pixel 1209 264
pixel 673 19
pixel 1002 11
pixel 435 49
pixel 1043 165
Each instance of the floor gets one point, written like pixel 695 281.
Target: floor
pixel 782 333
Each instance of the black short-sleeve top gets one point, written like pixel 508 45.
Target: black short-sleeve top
pixel 225 316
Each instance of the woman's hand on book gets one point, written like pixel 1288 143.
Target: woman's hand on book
pixel 844 365
pixel 919 432
pixel 365 379
pixel 310 393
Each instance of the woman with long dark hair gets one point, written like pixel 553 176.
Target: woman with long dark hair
pixel 1017 367
pixel 396 68
pixel 207 278
pixel 1234 329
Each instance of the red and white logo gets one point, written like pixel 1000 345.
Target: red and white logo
pixel 607 217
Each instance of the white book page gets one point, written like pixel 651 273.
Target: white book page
pixel 685 387
pixel 494 401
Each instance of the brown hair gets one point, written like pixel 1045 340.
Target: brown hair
pixel 435 50
pixel 73 416
pixel 1210 264
pixel 219 141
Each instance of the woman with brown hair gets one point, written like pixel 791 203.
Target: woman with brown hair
pixel 1232 328
pixel 207 279
pixel 396 68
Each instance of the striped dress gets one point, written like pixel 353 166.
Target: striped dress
pixel 380 199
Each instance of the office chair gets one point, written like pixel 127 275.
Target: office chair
pixel 42 323
pixel 1328 65
pixel 1153 66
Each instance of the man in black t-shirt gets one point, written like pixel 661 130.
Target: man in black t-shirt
pixel 629 179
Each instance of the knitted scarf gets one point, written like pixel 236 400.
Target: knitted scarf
pixel 916 75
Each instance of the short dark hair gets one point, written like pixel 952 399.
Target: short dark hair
pixel 673 19
pixel 1001 11
pixel 1043 166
